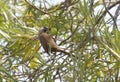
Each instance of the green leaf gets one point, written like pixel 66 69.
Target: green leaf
pixel 5 35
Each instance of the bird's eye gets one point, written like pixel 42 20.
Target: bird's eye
pixel 45 30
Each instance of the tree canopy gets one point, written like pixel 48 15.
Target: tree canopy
pixel 87 29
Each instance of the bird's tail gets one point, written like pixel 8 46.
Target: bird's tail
pixel 66 53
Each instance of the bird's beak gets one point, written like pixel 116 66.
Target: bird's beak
pixel 49 29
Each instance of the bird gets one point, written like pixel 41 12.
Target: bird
pixel 48 42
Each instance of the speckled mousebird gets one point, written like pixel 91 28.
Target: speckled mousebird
pixel 47 41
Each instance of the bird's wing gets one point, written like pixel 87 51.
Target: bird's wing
pixel 51 36
pixel 44 43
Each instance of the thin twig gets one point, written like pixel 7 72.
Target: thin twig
pixel 110 14
pixel 35 7
pixel 104 13
pixel 73 32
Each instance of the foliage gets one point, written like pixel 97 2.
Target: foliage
pixel 85 28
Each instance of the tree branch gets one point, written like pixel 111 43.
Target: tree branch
pixel 104 13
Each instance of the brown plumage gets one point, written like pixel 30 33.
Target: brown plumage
pixel 48 43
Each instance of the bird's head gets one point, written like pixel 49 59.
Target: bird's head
pixel 45 30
